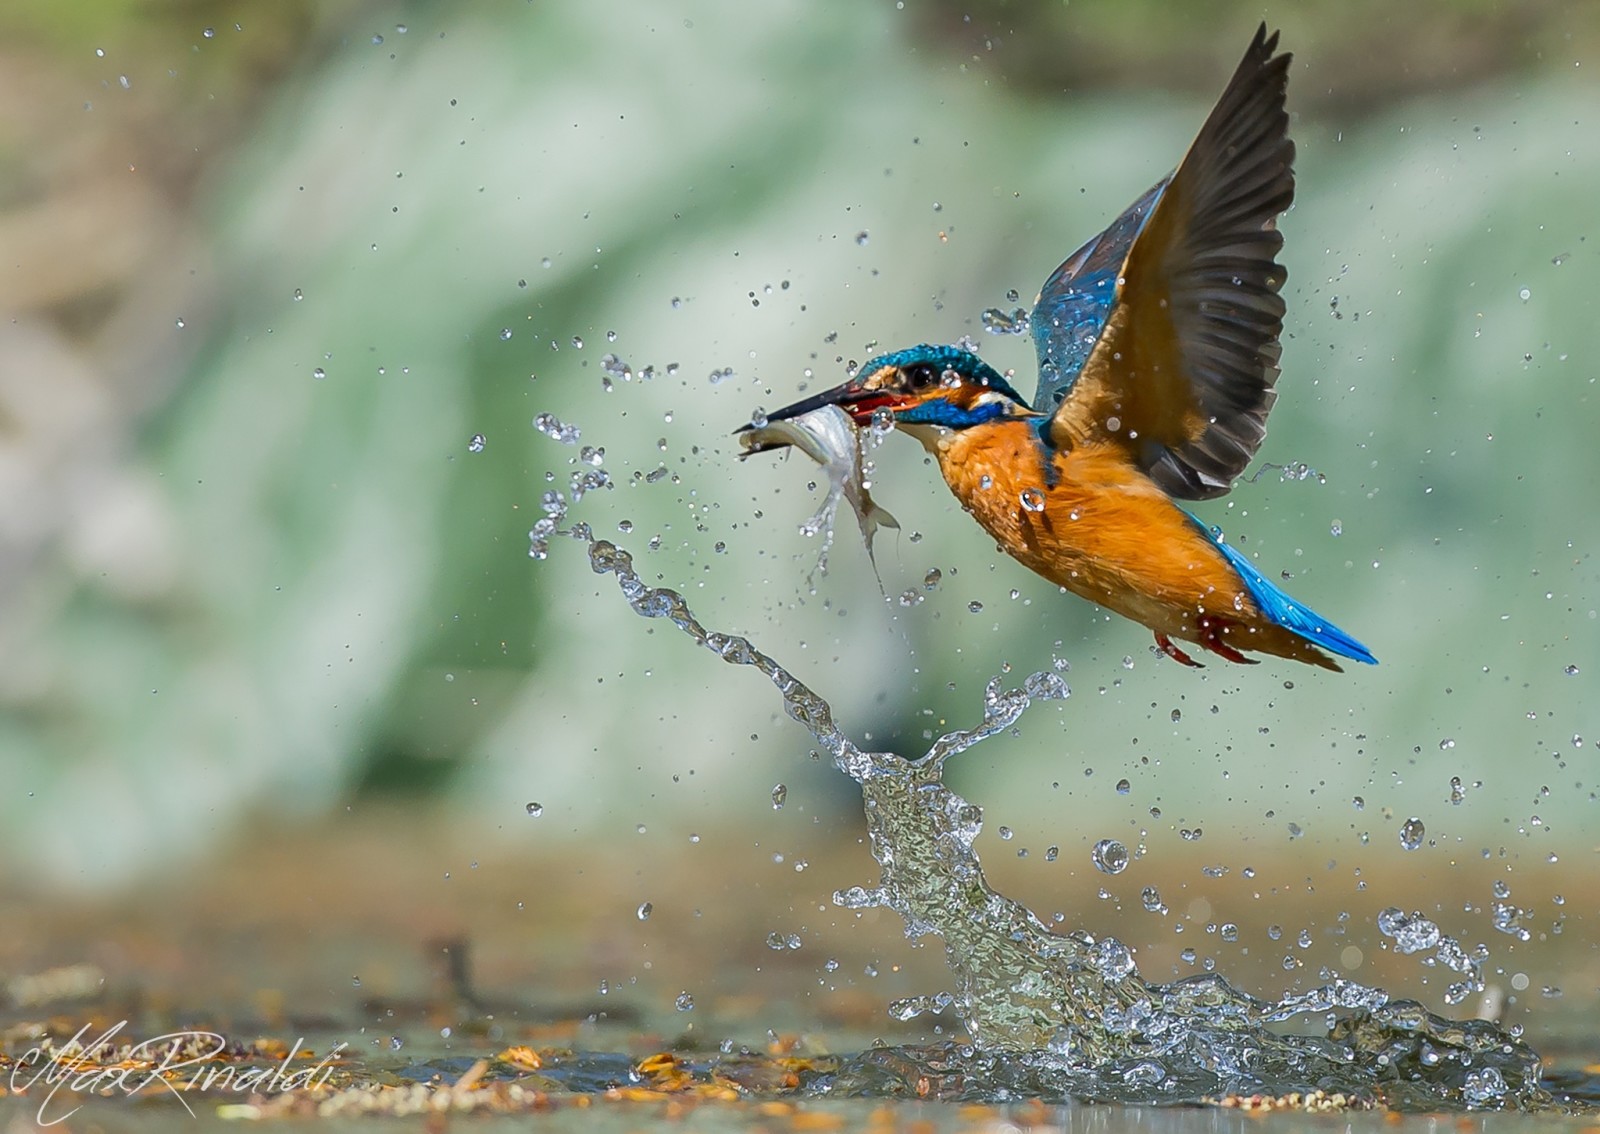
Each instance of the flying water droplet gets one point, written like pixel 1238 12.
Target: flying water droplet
pixel 998 322
pixel 535 809
pixel 553 427
pixel 645 910
pixel 1412 833
pixel 1109 856
pixel 780 793
pixel 1112 958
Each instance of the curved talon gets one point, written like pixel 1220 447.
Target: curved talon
pixel 1164 643
pixel 1211 639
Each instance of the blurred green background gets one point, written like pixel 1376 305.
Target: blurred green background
pixel 269 267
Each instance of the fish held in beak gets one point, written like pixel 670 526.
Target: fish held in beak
pixel 826 433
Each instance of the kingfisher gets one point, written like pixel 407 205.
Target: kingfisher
pixel 1158 362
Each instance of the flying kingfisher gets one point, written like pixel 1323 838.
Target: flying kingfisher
pixel 1158 355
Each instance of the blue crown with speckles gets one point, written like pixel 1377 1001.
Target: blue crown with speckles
pixel 963 362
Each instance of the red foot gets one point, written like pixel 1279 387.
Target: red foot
pixel 1177 655
pixel 1211 638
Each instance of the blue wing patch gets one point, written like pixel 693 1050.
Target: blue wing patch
pixel 1075 301
pixel 1288 613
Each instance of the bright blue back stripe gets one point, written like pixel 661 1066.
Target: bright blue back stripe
pixel 1288 613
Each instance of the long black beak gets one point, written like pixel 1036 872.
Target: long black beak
pixel 851 397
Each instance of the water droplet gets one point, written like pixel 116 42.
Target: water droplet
pixel 780 793
pixel 645 910
pixel 553 427
pixel 1032 500
pixel 975 606
pixel 998 322
pixel 684 1002
pixel 1412 833
pixel 1109 856
pixel 931 579
pixel 319 374
pixel 1123 787
pixel 505 334
pixel 536 809
pixel 1112 958
pixel 1336 528
pixel 1571 671
pixel 1151 898
pixel 862 238
pixel 475 445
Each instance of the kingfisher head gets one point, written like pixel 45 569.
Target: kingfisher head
pixel 939 386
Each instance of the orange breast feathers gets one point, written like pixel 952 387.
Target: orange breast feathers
pixel 1102 529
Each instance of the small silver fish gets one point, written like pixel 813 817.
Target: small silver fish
pixel 830 438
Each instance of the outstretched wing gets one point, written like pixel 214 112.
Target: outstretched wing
pixel 1075 300
pixel 1185 352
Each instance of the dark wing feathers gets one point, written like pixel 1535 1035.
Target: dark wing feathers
pixel 1184 360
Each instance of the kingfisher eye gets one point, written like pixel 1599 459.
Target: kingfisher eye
pixel 921 376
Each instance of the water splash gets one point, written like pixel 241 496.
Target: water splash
pixel 1067 1015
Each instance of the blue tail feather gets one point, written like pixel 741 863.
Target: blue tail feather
pixel 1288 613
